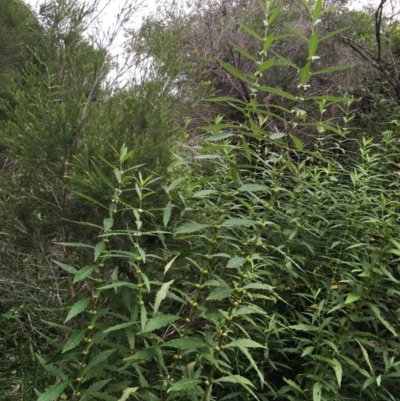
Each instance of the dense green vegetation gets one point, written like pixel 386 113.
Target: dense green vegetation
pixel 216 217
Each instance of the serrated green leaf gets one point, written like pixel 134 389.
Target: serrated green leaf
pixel 303 327
pixel 191 228
pixel 161 294
pixel 337 366
pixel 96 387
pixel 167 213
pixel 184 384
pixel 97 359
pixel 119 327
pixel 127 392
pixel 237 222
pixel 245 343
pixel 77 308
pixel 307 351
pixel 204 193
pixel 156 323
pixel 293 385
pixel 107 224
pixel 74 340
pixel 98 249
pixel 220 293
pixel 51 368
pixel 253 188
pixel 237 379
pixel 186 343
pixel 273 15
pixel 297 142
pixel 83 273
pixel 54 391
pixel 305 73
pixel 368 382
pixel 142 355
pixel 377 313
pixel 352 297
pixel 266 65
pixel 236 262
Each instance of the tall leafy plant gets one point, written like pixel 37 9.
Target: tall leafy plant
pixel 274 276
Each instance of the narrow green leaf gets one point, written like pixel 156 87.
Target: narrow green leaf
pixel 51 368
pixel 305 73
pixel 237 379
pixel 83 273
pixel 233 71
pixel 220 136
pixel 108 223
pixel 184 384
pixel 169 265
pixel 274 14
pixel 352 297
pixel 377 313
pixel 167 213
pixel 74 340
pixel 88 198
pixel 330 69
pixel 244 53
pixel 77 308
pixel 98 249
pixel 317 391
pixel 245 342
pixel 293 385
pixel 161 294
pixel 297 142
pixel 117 284
pixel 297 32
pixel 312 45
pixel 366 357
pixel 54 391
pixel 337 366
pixel 333 33
pixel 368 382
pixel 174 184
pixel 279 92
pixel 66 267
pixel 251 32
pixel 266 65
